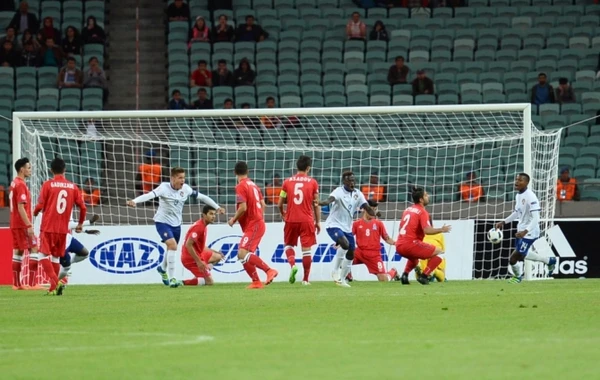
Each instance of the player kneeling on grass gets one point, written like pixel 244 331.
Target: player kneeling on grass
pixel 439 273
pixel 195 257
pixel 527 210
pixel 414 225
pixel 369 231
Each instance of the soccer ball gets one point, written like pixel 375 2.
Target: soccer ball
pixel 495 235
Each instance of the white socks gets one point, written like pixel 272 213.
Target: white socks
pixel 171 263
pixel 340 254
pixel 77 258
pixel 346 267
pixel 63 272
pixel 201 281
pixel 532 256
pixel 516 269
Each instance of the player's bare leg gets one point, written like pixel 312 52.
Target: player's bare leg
pixel 166 269
pixel 514 259
pixel 338 275
pixel 306 264
pixel 391 275
pixel 290 254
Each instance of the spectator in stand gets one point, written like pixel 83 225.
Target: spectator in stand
pixel 422 85
pixel 270 122
pixel 251 31
pixel 542 92
pixel 178 11
pixel 95 77
pixel 93 33
pixel 374 190
pixel 228 104
pixel 201 76
pixel 29 37
pixel 9 57
pixel 356 29
pixel 12 37
pixel 273 190
pixel 149 173
pixel 471 190
pixel 564 92
pixel 227 122
pixel 70 76
pixel 177 102
pixel 50 54
pixel 29 56
pixel 23 19
pixel 379 33
pixel 48 30
pixel 90 193
pixel 398 73
pixel 566 187
pixel 223 32
pixel 222 76
pixel 244 75
pixel 203 102
pixel 199 32
pixel 71 44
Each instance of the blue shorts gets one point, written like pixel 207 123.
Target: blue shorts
pixel 75 247
pixel 336 233
pixel 167 232
pixel 523 245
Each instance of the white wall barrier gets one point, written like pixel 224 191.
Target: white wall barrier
pixel 130 255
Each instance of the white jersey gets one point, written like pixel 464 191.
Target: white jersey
pixel 342 210
pixel 526 204
pixel 170 203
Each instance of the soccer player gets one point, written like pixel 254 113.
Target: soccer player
pixel 527 210
pixel 195 257
pixel 169 217
pixel 414 225
pixel 346 200
pixel 250 205
pixel 21 225
pixel 75 247
pixel 369 231
pixel 57 197
pixel 302 216
pixel 439 273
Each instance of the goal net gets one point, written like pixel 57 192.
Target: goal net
pixel 445 149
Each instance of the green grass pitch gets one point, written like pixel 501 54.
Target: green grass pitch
pixel 454 330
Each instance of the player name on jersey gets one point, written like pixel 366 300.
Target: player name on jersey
pixel 63 185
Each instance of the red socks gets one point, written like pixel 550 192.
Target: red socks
pixel 191 281
pixel 33 270
pixel 16 269
pixel 251 270
pixel 56 267
pixel 410 265
pixel 257 262
pixel 306 263
pixel 49 269
pixel 290 253
pixel 432 265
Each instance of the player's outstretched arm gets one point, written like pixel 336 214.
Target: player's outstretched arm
pixel 434 231
pixel 209 201
pixel 326 202
pixel 141 199
pixel 368 209
pixel 238 214
pixel 512 217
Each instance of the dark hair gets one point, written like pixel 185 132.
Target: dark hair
pixel 269 98
pixel 222 15
pixel 244 105
pixel 201 89
pixel 207 208
pixel 10 27
pixel 372 203
pixel 20 163
pixel 355 13
pixel 563 81
pixel 222 61
pixel 177 170
pixel 525 175
pixel 241 168
pixel 540 74
pixel 92 58
pixel 346 175
pixel 249 17
pixel 417 194
pixel 399 57
pixel 175 92
pixel 303 163
pixel 71 59
pixel 58 166
pixel 90 180
pixel 201 62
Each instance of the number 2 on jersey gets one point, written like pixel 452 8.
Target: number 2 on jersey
pixel 298 194
pixel 61 201
pixel 404 224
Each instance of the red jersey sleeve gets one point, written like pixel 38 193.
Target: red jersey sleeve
pixel 240 193
pixel 424 220
pixel 41 199
pixel 382 231
pixel 315 187
pixel 20 194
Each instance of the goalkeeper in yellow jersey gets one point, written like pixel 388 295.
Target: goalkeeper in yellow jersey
pixel 440 272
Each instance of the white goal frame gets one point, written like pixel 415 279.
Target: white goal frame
pixel 523 108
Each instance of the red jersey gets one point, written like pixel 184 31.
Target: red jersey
pixel 302 190
pixel 197 233
pixel 369 234
pixel 414 220
pixel 56 201
pixel 247 191
pixel 19 194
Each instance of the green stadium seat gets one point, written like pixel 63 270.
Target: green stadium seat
pixel 403 100
pixel 472 99
pixel 335 101
pixel 594 141
pixel 313 101
pixel 24 105
pixel 310 79
pixel 47 104
pixel 589 151
pixel 591 97
pixel 448 99
pixel 447 88
pixel 312 90
pixel 70 104
pixel 506 55
pixel 570 109
pixel 90 104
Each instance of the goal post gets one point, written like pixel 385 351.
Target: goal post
pixel 395 148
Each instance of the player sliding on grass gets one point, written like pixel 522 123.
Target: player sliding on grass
pixel 439 273
pixel 414 225
pixel 345 201
pixel 302 217
pixel 195 257
pixel 75 247
pixel 169 217
pixel 369 231
pixel 527 210
pixel 250 205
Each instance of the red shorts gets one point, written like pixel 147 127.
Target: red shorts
pixel 416 250
pixel 21 239
pixel 53 244
pixel 252 237
pixel 190 264
pixel 305 231
pixel 372 259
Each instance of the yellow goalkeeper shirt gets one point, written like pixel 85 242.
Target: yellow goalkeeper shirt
pixel 437 240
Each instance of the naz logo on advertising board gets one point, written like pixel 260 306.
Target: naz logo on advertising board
pixel 229 245
pixel 127 255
